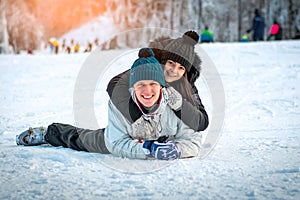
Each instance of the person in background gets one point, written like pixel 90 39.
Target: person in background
pixel 157 134
pixel 275 31
pixel 206 36
pixel 68 49
pixel 63 45
pixel 54 45
pixel 244 38
pixel 30 51
pixel 258 27
pixel 76 48
pixel 51 46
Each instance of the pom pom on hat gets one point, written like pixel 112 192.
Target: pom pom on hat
pixel 191 37
pixel 145 53
pixel 146 67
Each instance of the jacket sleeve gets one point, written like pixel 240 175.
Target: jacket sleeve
pixel 117 139
pixel 194 116
pixel 188 141
pixel 117 90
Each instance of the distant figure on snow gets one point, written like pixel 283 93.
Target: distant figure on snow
pixel 244 38
pixel 258 26
pixel 76 48
pixel 206 36
pixel 275 31
pixel 54 45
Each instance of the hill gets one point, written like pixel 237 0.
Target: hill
pixel 256 156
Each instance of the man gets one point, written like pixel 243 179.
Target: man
pixel 258 27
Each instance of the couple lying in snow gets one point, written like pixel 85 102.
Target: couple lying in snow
pixel 154 111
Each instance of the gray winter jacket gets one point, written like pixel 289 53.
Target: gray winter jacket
pixel 123 138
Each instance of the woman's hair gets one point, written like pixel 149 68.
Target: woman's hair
pixel 183 86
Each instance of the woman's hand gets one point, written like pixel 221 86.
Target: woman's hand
pixel 174 98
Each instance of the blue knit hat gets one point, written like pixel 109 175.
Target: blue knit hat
pixel 146 67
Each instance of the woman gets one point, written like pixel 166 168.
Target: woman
pixel 275 31
pixel 157 134
pixel 181 67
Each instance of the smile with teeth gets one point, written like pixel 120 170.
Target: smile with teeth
pixel 147 97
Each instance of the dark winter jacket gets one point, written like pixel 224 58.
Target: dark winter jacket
pixel 194 116
pixel 258 27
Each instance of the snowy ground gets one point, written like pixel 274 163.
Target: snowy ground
pixel 256 157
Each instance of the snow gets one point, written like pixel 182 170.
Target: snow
pixel 91 31
pixel 256 157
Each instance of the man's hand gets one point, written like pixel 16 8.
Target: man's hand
pixel 161 151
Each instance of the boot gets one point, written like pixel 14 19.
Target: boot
pixel 32 137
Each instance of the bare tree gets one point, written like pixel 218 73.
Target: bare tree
pixel 290 18
pixel 239 11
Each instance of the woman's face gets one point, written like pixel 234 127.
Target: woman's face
pixel 147 92
pixel 173 71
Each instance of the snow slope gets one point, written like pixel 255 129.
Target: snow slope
pixel 91 31
pixel 256 157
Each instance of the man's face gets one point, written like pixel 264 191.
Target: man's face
pixel 147 92
pixel 173 71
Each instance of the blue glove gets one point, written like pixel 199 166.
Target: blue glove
pixel 162 151
pixel 147 144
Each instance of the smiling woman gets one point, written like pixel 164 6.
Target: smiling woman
pixel 173 71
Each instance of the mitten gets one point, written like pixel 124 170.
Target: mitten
pixel 164 151
pixel 147 144
pixel 174 98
